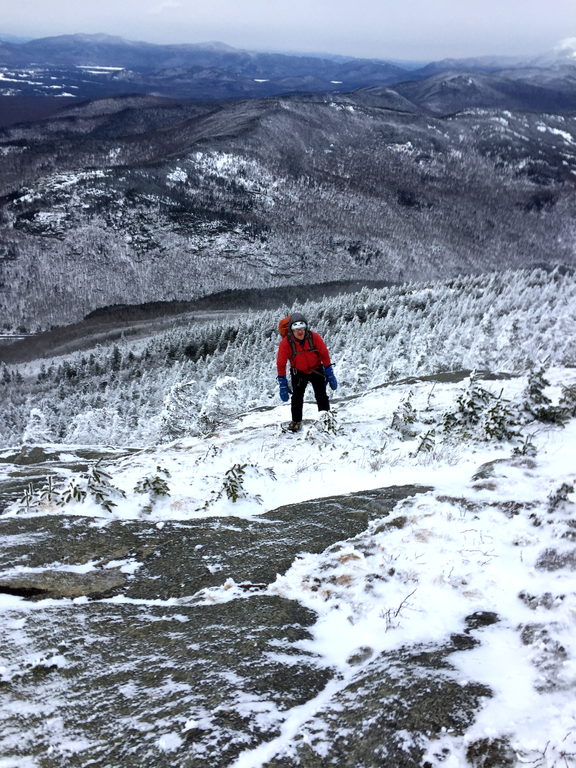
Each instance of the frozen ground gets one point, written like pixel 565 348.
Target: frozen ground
pixel 495 537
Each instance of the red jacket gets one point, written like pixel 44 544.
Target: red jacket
pixel 305 360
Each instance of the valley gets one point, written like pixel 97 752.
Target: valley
pixel 143 188
pixel 133 200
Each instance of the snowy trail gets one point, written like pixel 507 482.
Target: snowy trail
pixel 475 572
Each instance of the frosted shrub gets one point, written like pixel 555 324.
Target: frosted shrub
pixel 404 417
pixel 499 420
pixel 328 422
pixel 94 426
pixel 73 492
pixel 539 406
pixel 427 442
pixel 101 489
pixel 180 412
pixel 324 429
pixel 560 496
pixel 534 396
pixel 526 448
pixel 568 400
pixel 95 484
pixel 481 415
pixel 234 482
pixel 470 406
pixel 154 486
pixel 355 378
pixel 36 429
pixel 48 493
pixel 220 403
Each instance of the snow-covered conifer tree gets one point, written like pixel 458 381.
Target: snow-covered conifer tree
pixel 36 429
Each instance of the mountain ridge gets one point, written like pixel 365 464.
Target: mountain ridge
pixel 169 202
pixel 143 197
pixel 95 66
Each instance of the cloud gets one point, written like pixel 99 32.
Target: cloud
pixel 568 45
pixel 166 5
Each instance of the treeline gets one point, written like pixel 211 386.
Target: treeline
pixel 186 379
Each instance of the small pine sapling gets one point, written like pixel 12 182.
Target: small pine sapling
pixel 568 401
pixel 98 485
pixel 499 421
pixel 233 485
pixel 404 417
pixel 526 448
pixel 48 493
pixel 538 404
pixel 429 407
pixel 180 410
pixel 427 442
pixel 534 397
pixel 29 497
pixel 73 492
pixel 473 401
pixel 328 422
pixel 154 485
pixel 470 406
pixel 220 402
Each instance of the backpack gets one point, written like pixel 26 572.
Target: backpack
pixel 284 326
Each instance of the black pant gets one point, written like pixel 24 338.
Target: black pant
pixel 299 383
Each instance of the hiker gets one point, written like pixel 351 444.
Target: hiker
pixel 309 362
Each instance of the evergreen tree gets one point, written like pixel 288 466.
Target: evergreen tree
pixel 36 429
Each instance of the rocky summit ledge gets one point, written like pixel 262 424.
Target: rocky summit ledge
pixel 47 583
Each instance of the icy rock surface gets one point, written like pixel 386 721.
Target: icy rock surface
pixel 156 673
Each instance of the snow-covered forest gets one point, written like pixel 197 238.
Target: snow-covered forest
pixel 192 378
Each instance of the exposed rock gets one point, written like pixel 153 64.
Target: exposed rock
pixel 481 619
pixel 180 559
pixel 217 678
pixel 491 753
pixel 547 600
pixel 63 584
pixel 27 455
pixel 368 722
pixel 549 657
pixel 463 642
pixel 552 560
pixel 490 469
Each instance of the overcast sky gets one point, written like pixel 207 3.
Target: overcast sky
pixel 400 29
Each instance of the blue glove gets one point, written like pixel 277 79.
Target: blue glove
pixel 284 389
pixel 330 378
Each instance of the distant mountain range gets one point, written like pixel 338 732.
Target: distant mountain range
pixel 193 183
pixel 96 66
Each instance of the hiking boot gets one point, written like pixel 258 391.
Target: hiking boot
pixel 294 426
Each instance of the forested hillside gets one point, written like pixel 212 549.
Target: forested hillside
pixel 137 200
pixel 191 378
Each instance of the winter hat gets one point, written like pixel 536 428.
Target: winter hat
pixel 298 321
